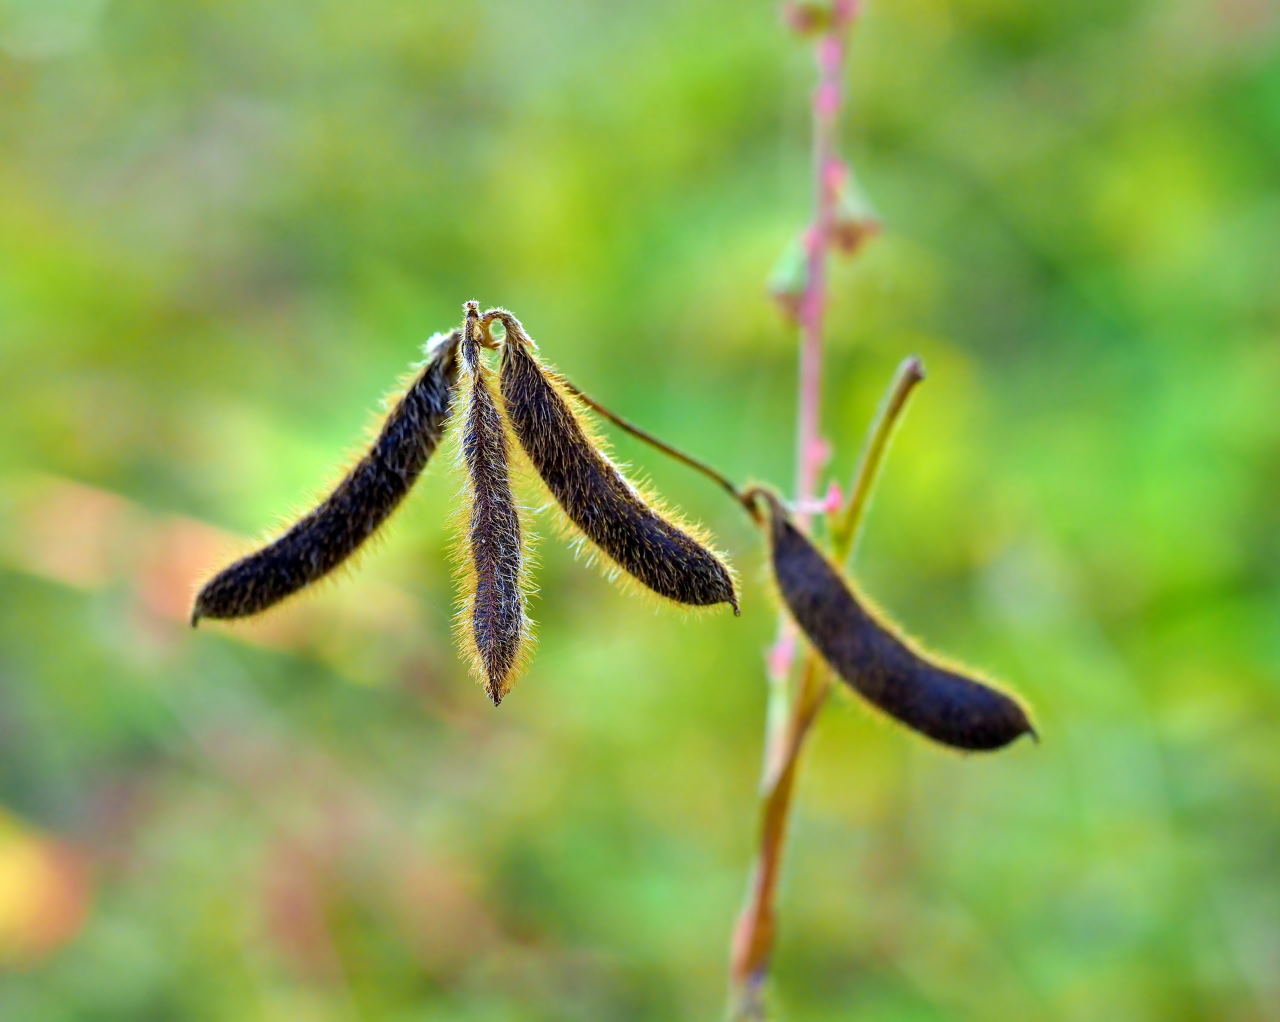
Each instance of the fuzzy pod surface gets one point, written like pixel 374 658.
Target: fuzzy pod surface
pixel 495 600
pixel 330 533
pixel 594 495
pixel 934 700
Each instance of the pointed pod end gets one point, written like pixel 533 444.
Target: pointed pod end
pixel 1021 720
pixel 198 608
pixel 496 690
pixel 1016 724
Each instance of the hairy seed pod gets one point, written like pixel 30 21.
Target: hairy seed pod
pixel 934 700
pixel 494 603
pixel 328 535
pixel 637 537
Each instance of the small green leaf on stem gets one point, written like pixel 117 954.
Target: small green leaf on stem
pixel 855 221
pixel 789 279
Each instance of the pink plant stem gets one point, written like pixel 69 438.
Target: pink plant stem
pixel 811 450
pixel 789 718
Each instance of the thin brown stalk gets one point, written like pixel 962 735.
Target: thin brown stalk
pixel 696 464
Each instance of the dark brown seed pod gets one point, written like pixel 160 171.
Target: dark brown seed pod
pixel 328 535
pixel 493 577
pixel 645 542
pixel 881 667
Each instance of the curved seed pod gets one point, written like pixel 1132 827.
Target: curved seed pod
pixel 494 599
pixel 934 700
pixel 595 496
pixel 326 536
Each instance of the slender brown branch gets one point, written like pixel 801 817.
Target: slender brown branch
pixel 845 523
pixel 754 934
pixel 696 464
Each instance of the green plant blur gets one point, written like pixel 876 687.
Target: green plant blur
pixel 225 229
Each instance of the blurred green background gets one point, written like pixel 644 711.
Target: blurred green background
pixel 225 228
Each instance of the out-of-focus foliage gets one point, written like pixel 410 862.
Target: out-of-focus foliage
pixel 224 229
